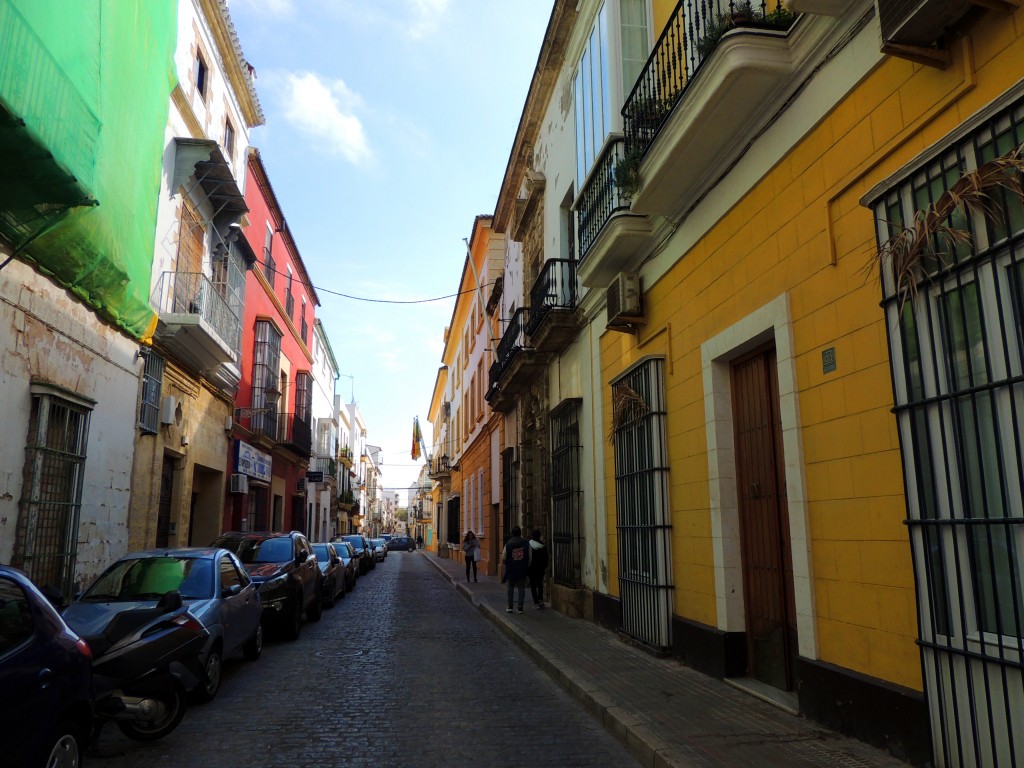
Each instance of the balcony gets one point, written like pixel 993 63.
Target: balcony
pixel 271 428
pixel 714 77
pixel 195 320
pixel 326 465
pixel 516 364
pixel 552 324
pixel 345 457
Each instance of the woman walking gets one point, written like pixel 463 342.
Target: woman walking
pixel 471 547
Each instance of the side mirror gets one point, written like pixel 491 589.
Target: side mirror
pixel 302 557
pixel 231 591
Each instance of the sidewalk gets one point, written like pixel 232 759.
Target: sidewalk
pixel 667 715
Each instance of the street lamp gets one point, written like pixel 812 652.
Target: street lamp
pixel 270 397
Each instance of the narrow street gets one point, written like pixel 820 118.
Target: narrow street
pixel 403 671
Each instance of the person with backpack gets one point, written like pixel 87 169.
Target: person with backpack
pixel 516 559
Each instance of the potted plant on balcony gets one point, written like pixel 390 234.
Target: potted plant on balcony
pixel 626 173
pixel 739 14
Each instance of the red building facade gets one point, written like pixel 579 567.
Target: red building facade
pixel 272 426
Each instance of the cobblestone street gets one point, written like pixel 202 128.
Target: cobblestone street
pixel 403 671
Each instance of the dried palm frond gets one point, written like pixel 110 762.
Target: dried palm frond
pixel 931 237
pixel 628 407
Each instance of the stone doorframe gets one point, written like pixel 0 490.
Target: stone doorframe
pixel 771 322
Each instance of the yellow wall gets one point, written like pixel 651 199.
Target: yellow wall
pixel 802 230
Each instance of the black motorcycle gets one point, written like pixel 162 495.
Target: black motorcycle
pixel 143 661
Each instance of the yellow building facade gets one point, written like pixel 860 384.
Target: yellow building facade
pixel 789 469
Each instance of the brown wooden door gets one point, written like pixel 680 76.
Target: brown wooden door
pixel 764 522
pixel 163 515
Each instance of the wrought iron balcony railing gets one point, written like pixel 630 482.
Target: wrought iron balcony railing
pixel 555 288
pixel 513 341
pixel 287 429
pixel 691 34
pixel 193 293
pixel 600 197
pixel 326 465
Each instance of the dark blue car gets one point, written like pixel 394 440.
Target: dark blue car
pixel 45 679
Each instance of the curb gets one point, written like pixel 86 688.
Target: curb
pixel 625 725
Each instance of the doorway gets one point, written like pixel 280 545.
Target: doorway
pixel 767 560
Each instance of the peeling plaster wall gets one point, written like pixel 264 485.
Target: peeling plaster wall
pixel 48 335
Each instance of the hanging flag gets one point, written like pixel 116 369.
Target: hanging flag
pixel 417 438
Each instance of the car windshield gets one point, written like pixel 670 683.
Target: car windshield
pixel 276 550
pixel 322 555
pixel 355 541
pixel 149 578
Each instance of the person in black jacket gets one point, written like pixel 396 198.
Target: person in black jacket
pixel 538 567
pixel 516 557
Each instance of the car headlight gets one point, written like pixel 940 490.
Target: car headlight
pixel 275 583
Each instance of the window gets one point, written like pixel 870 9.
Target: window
pixel 265 368
pixel 152 379
pixel 643 515
pixel 46 538
pixel 15 616
pixel 202 74
pixel 304 327
pixel 304 397
pixel 229 139
pixel 269 268
pixel 566 495
pixel 592 98
pixel 289 298
pixel 958 379
pixel 509 490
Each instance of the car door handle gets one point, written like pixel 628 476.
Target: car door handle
pixel 45 677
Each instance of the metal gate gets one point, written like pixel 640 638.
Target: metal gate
pixel 643 515
pixel 565 493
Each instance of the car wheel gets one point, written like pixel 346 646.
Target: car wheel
pixel 293 622
pixel 171 708
pixel 315 611
pixel 212 672
pixel 66 743
pixel 412 548
pixel 254 645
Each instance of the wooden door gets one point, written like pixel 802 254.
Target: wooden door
pixel 764 522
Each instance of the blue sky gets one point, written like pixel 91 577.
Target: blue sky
pixel 389 126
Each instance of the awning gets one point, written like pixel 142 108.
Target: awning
pixel 204 159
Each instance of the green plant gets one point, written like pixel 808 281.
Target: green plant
pixel 780 18
pixel 627 172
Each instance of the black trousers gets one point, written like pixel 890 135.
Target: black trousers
pixel 470 562
pixel 537 587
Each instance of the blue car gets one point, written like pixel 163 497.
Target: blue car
pixel 213 584
pixel 45 679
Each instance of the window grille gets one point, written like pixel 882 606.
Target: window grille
pixel 958 383
pixel 152 380
pixel 265 372
pixel 51 497
pixel 454 521
pixel 566 533
pixel 304 397
pixel 643 515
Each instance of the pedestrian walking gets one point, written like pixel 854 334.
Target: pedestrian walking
pixel 516 559
pixel 538 567
pixel 419 541
pixel 471 548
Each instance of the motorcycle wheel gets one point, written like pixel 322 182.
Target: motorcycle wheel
pixel 254 646
pixel 173 705
pixel 212 673
pixel 65 747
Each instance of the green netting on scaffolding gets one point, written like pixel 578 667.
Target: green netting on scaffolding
pixel 84 96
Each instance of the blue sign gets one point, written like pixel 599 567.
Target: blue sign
pixel 252 462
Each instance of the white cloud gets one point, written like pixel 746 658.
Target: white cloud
pixel 324 110
pixel 425 17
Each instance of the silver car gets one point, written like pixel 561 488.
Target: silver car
pixel 213 585
pixel 380 549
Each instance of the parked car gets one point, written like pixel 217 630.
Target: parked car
pixel 362 548
pixel 348 556
pixel 213 585
pixel 380 549
pixel 285 569
pixel 45 679
pixel 332 573
pixel 402 543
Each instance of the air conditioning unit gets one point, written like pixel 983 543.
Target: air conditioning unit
pixel 623 301
pixel 239 484
pixel 168 409
pixel 919 22
pixel 300 484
